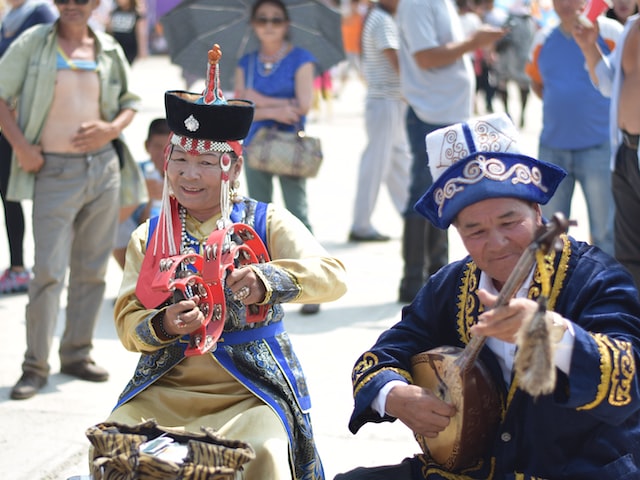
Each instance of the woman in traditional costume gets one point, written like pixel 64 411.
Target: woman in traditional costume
pixel 249 384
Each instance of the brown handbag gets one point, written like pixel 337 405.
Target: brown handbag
pixel 116 453
pixel 293 154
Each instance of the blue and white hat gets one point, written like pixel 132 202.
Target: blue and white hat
pixel 481 159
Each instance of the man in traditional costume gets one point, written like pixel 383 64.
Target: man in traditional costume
pixel 249 385
pixel 580 420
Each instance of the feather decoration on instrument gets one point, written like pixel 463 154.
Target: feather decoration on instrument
pixel 533 364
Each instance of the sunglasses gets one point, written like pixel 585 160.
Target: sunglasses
pixel 275 21
pixel 65 2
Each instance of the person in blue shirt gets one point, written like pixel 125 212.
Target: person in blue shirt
pixel 278 79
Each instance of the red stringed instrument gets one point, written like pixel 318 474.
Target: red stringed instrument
pixel 457 376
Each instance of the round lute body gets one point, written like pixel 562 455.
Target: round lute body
pixel 476 399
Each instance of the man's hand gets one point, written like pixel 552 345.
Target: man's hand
pixel 30 159
pixel 486 36
pixel 503 322
pixel 419 409
pixel 585 35
pixel 94 135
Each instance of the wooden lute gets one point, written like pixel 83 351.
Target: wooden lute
pixel 457 376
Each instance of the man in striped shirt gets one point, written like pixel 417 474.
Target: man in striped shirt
pixel 386 158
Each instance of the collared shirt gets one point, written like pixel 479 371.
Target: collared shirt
pixel 28 75
pixel 506 351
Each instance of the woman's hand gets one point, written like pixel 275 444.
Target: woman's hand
pixel 282 110
pixel 245 285
pixel 288 114
pixel 259 99
pixel 183 317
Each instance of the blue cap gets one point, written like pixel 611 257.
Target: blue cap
pixel 478 160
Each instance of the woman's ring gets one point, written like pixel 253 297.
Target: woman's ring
pixel 242 293
pixel 178 322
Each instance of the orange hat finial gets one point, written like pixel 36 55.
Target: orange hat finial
pixel 213 92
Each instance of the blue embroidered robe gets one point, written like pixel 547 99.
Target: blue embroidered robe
pixel 588 428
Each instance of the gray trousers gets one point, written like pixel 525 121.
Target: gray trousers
pixel 75 215
pixel 386 159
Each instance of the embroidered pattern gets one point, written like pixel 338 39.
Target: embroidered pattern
pixel 428 469
pixel 491 168
pixel 362 373
pixel 467 303
pixel 367 361
pixel 605 373
pixel 195 146
pixel 283 286
pixel 624 371
pixel 485 138
pixel 453 149
pixel 560 273
pixel 617 371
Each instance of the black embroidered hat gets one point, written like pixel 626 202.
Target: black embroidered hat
pixel 208 122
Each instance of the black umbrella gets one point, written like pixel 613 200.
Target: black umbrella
pixel 193 26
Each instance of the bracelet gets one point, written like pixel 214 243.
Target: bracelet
pixel 159 326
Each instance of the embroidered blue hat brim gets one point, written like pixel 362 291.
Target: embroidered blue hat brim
pixel 485 175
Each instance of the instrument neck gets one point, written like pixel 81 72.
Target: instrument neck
pixel 509 290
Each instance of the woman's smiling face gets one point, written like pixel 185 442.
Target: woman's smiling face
pixel 195 180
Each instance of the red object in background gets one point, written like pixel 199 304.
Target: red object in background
pixel 595 8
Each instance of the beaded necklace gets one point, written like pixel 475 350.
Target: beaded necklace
pixel 268 64
pixel 187 241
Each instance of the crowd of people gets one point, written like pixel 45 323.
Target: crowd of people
pixel 572 317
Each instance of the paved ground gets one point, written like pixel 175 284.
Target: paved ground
pixel 43 438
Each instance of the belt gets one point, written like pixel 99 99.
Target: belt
pixel 106 148
pixel 630 140
pixel 251 335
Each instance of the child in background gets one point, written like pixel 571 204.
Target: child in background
pixel 128 25
pixel 152 169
